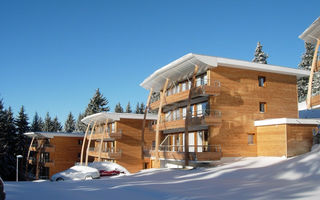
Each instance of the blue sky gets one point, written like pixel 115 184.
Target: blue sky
pixel 54 54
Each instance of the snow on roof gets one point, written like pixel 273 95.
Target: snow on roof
pixel 183 68
pixel 53 134
pixel 277 121
pixel 312 33
pixel 103 116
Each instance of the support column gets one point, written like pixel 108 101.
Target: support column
pixel 143 126
pixel 162 96
pixel 188 118
pixel 89 142
pixel 83 143
pixel 28 155
pixel 101 141
pixel 313 69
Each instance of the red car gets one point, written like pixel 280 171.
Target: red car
pixel 109 173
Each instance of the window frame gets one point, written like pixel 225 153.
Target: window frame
pixel 264 107
pixel 262 84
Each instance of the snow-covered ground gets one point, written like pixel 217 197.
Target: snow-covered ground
pixel 247 178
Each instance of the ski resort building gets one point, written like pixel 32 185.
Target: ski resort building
pixel 212 107
pixel 118 137
pixel 50 153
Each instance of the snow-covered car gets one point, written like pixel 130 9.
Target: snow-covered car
pixel 77 172
pixel 2 192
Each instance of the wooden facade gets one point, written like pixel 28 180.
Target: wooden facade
pixel 121 141
pixel 225 103
pixel 50 153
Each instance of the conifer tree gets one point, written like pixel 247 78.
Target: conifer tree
pixel 7 144
pixel 48 124
pixel 118 108
pixel 98 103
pixel 141 109
pixel 80 126
pixel 259 55
pixel 22 126
pixel 70 124
pixel 128 108
pixel 37 123
pixel 56 126
pixel 137 108
pixel 305 64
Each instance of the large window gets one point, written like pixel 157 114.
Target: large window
pixel 184 112
pixel 113 127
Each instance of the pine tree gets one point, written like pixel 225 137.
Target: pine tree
pixel 305 64
pixel 118 108
pixel 137 108
pixel 80 126
pixel 259 55
pixel 7 144
pixel 37 123
pixel 70 124
pixel 141 109
pixel 56 125
pixel 98 103
pixel 48 124
pixel 22 126
pixel 128 108
pixel 155 96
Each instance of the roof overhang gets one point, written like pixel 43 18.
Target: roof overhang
pixel 278 121
pixel 183 68
pixel 312 33
pixel 52 134
pixel 102 117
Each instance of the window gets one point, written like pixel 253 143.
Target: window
pixel 168 116
pixel 184 86
pixel 250 138
pixel 262 81
pixel 198 81
pixel 80 142
pixel 199 110
pixel 189 85
pixel 113 127
pixel 174 115
pixel 192 111
pixel 262 107
pixel 205 80
pixel 184 112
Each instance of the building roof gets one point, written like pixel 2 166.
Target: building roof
pixel 277 121
pixel 103 116
pixel 183 68
pixel 312 33
pixel 53 134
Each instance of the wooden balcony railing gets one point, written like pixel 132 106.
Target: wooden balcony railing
pixel 203 90
pixel 109 153
pixel 196 152
pixel 111 136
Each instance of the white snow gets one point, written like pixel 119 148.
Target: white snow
pixel 245 178
pixel 108 166
pixel 77 172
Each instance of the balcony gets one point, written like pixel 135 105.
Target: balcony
pixel 109 153
pixel 106 136
pixel 43 147
pixel 208 119
pixel 203 90
pixel 196 152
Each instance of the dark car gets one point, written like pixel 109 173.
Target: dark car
pixel 2 193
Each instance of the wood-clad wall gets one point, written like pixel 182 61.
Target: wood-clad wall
pixel 299 139
pixel 272 140
pixel 238 102
pixel 66 154
pixel 130 143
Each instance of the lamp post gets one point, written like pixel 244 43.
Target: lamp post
pixel 17 169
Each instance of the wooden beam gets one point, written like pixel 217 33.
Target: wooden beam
pixel 39 151
pixel 143 127
pixel 313 69
pixel 188 118
pixel 89 142
pixel 83 143
pixel 162 96
pixel 28 155
pixel 101 141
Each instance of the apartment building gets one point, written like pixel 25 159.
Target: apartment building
pixel 117 137
pixel 50 153
pixel 208 107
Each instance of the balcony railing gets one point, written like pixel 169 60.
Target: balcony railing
pixel 202 90
pixel 194 148
pixel 109 135
pixel 109 153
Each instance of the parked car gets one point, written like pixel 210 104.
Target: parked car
pixel 77 172
pixel 2 192
pixel 110 173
